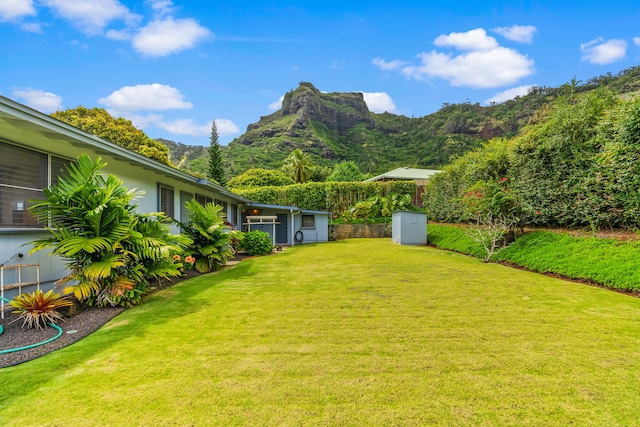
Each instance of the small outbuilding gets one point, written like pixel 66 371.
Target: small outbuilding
pixel 409 228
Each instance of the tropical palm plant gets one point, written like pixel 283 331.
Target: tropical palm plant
pixel 212 239
pixel 298 166
pixel 111 250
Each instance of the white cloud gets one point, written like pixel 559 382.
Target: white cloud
pixel 379 102
pixel 188 127
pixel 92 16
pixel 482 64
pixel 226 127
pixel 636 41
pixel 471 40
pixel 509 94
pixel 40 100
pixel 388 65
pixel 168 36
pixel 517 33
pixel 162 7
pixel 32 27
pixel 601 52
pixel 480 69
pixel 276 104
pixel 139 121
pixel 11 10
pixel 147 97
pixel 118 35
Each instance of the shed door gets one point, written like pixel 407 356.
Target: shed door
pixel 282 228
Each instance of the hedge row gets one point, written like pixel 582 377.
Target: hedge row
pixel 336 197
pixel 575 165
pixel 608 262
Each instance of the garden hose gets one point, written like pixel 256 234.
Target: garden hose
pixel 26 347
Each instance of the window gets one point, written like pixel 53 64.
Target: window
pixel 184 213
pixel 234 215
pixel 203 200
pixel 224 206
pixel 24 174
pixel 308 221
pixel 165 200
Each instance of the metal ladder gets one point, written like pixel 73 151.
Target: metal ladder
pixel 19 284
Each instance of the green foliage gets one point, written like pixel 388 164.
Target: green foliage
pixel 608 262
pixel 36 309
pixel 376 207
pixel 336 197
pixel 212 239
pixel 120 131
pixel 444 192
pixel 576 165
pixel 111 250
pixel 259 177
pixel 298 166
pixel 346 172
pixel 553 160
pixel 256 243
pixel 215 169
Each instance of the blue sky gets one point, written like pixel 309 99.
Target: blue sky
pixel 173 66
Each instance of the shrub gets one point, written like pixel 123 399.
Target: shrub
pixel 211 237
pixel 111 250
pixel 36 309
pixel 257 243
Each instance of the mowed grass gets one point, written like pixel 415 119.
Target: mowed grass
pixel 357 333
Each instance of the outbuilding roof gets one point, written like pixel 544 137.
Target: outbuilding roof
pixel 405 173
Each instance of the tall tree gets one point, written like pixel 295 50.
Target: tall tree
pixel 215 171
pixel 99 122
pixel 298 166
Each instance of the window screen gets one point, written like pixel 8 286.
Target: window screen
pixel 23 175
pixel 308 221
pixel 165 199
pixel 203 200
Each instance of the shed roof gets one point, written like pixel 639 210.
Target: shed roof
pixel 405 173
pixel 287 208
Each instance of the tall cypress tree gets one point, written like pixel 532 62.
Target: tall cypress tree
pixel 215 171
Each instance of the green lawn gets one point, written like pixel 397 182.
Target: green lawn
pixel 357 332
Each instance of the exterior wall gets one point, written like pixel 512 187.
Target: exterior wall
pixel 350 231
pixel 319 233
pixel 268 228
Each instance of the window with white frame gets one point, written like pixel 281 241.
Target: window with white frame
pixel 166 200
pixel 308 221
pixel 24 173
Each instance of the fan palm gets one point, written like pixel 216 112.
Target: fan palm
pixel 110 249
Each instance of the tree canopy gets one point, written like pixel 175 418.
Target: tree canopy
pixel 298 166
pixel 120 131
pixel 215 169
pixel 259 177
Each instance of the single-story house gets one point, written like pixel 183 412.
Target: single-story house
pixel 419 176
pixel 35 147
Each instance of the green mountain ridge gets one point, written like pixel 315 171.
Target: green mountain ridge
pixel 334 127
